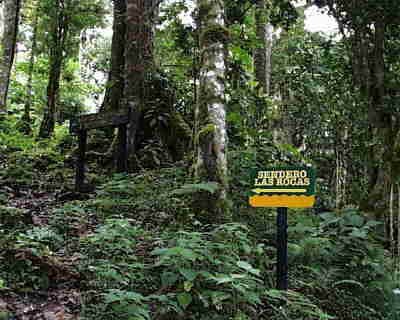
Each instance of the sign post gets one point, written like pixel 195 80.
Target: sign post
pixel 283 188
pixel 281 244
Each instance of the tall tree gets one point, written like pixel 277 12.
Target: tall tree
pixel 67 19
pixel 262 54
pixel 211 136
pixel 9 40
pixel 26 118
pixel 115 82
pixel 367 32
pixel 138 61
pixel 59 31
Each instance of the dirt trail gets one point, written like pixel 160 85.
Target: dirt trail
pixel 62 300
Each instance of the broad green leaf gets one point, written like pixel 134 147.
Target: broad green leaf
pixel 276 294
pixel 120 295
pixel 351 282
pixel 210 187
pixel 373 223
pixel 184 299
pixel 355 220
pixel 187 286
pixel 222 278
pixel 219 296
pixel 246 266
pixel 168 279
pixel 189 274
pixel 359 233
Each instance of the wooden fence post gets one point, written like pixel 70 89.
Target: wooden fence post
pixel 122 159
pixel 80 162
pixel 81 125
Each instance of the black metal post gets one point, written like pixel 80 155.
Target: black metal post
pixel 80 162
pixel 282 261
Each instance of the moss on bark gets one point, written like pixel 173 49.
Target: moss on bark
pixel 215 34
pixel 211 136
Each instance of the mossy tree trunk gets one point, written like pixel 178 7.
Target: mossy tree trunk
pixel 211 138
pixel 115 83
pixel 8 45
pixel 138 61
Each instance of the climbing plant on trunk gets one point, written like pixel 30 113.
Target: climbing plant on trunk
pixel 211 135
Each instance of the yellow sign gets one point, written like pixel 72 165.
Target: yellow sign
pixel 290 187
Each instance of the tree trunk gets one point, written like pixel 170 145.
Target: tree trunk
pixel 263 52
pixel 380 123
pixel 211 114
pixel 398 222
pixel 391 219
pixel 138 61
pixel 268 61
pixel 83 58
pixel 262 64
pixel 260 53
pixel 26 118
pixel 58 37
pixel 9 40
pixel 115 82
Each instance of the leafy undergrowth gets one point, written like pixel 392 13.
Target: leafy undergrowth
pixel 30 167
pixel 136 251
pixel 28 164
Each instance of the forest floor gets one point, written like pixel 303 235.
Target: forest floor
pixel 62 300
pixel 135 249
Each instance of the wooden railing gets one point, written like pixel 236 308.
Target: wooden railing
pixel 80 126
